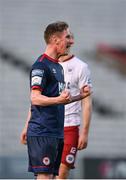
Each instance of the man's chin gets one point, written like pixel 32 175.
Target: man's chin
pixel 65 54
pixel 67 51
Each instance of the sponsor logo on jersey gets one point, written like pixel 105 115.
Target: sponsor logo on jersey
pixel 37 72
pixel 46 161
pixel 70 158
pixel 68 85
pixel 61 87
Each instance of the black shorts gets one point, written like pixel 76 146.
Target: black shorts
pixel 44 154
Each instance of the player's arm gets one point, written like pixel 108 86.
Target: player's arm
pixel 38 99
pixel 84 92
pixel 23 136
pixel 38 81
pixel 86 103
pixel 86 118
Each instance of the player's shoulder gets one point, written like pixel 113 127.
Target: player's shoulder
pixel 39 63
pixel 79 62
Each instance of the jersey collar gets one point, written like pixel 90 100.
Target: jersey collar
pixel 68 58
pixel 49 58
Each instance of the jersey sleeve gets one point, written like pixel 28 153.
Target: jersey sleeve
pixel 38 77
pixel 85 77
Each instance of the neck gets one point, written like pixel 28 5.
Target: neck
pixel 65 57
pixel 51 52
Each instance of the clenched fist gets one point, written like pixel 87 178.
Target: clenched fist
pixel 65 97
pixel 85 91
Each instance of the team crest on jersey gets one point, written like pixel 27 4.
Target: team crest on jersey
pixel 70 158
pixel 37 72
pixel 46 161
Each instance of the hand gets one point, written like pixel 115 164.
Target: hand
pixel 65 97
pixel 85 91
pixel 23 136
pixel 82 142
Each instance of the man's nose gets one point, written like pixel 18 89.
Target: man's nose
pixel 71 41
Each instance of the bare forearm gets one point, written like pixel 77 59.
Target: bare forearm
pixel 86 126
pixel 78 97
pixel 44 101
pixel 41 100
pixel 86 114
pixel 28 118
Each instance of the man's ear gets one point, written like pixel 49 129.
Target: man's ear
pixel 55 39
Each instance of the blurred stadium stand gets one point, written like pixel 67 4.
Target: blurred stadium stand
pixel 21 41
